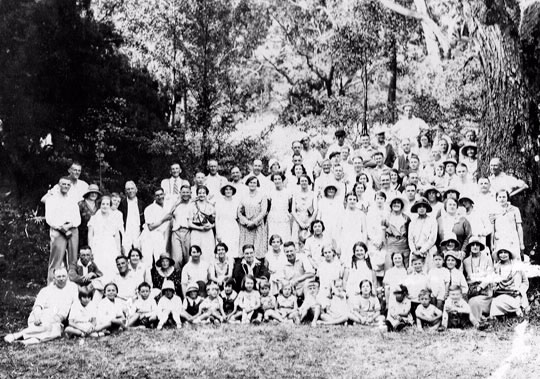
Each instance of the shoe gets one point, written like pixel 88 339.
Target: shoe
pixel 256 321
pixel 389 326
pixel 217 322
pixel 400 327
pixel 94 335
pixel 10 338
pixel 441 329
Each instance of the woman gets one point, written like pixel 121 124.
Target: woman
pixel 433 196
pixel 451 222
pixel 249 265
pixel 297 171
pixel 478 267
pixel 276 261
pixel 468 157
pixel 201 223
pixel 165 270
pixel 375 235
pixel 104 238
pixel 364 178
pixel 318 239
pixel 329 211
pixel 87 208
pixel 396 226
pixel 364 201
pixel 359 269
pixel 395 181
pixel 423 232
pixel 251 213
pixel 510 286
pixel 138 269
pixel 352 229
pixel 279 218
pixel 195 271
pixel 424 149
pixel 303 207
pixel 222 269
pixel 507 227
pixel 227 229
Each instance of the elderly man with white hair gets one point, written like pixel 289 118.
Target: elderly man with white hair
pixel 132 208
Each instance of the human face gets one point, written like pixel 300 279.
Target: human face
pixel 351 201
pixel 408 111
pixel 432 196
pixel 276 244
pixel 201 194
pixel 185 193
pixel 504 256
pixel 438 261
pixel 228 289
pixel 65 185
pixel 439 171
pixel 397 260
pixel 381 138
pixel 379 200
pixel 297 147
pixel 228 192
pixel 338 172
pixel 411 192
pixel 363 179
pixel 364 141
pixel 213 291
pixel 212 167
pixel 111 292
pixel 221 253
pixel 192 294
pixel 359 253
pixel 168 293
pixel 424 141
pixel 115 202
pixel 393 177
pixel 195 255
pixel 257 167
pixel 252 185
pixel 317 229
pixel 413 178
pixel 443 145
pixel 399 297
pixel 298 170
pixel 451 245
pixel 265 291
pixel 85 256
pixel 502 198
pixel 450 263
pixel 105 204
pixel 360 190
pixel 60 278
pixel 290 253
pixel 414 163
pixel 495 166
pixel 93 196
pixel 418 265
pixel 365 289
pixel 287 291
pixel 328 254
pixel 313 288
pixel 159 197
pixel 422 210
pixel 340 140
pixel 396 206
pixel 471 152
pixel 278 182
pixel 450 168
pixel 122 266
pixel 305 143
pixel 175 170
pixel 275 168
pixel 451 206
pixel 455 295
pixel 475 248
pixel 236 175
pixel 406 146
pixel 249 255
pixel 461 171
pixel 131 190
pixel 358 165
pixel 249 285
pixel 344 154
pixel 425 300
pixel 338 286
pixel 297 159
pixel 135 258
pixel 385 181
pixel 326 167
pixel 85 300
pixel 144 292
pixel 199 179
pixel 75 171
pixel 484 185
pixel 304 183
pixel 378 160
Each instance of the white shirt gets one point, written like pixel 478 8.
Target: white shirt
pixel 155 213
pixel 127 285
pixel 214 184
pixel 181 215
pixel 76 191
pixel 60 209
pixel 133 221
pixel 168 186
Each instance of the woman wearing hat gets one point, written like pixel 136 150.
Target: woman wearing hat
pixel 510 285
pixel 467 156
pixel 451 222
pixel 423 232
pixel 201 224
pixel 87 208
pixel 433 197
pixel 452 261
pixel 279 218
pixel 330 210
pixel 478 267
pixel 396 226
pixel 165 270
pixel 227 229
pixel 252 212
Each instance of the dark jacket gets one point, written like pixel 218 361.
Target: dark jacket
pixel 240 270
pixel 75 273
pixel 123 207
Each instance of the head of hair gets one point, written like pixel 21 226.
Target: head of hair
pixel 247 277
pixel 354 259
pixel 280 174
pixel 223 245
pixel 206 191
pixel 229 282
pixel 86 291
pixel 416 257
pixel 134 250
pixel 247 246
pixel 304 175
pixel 289 243
pixel 197 248
pixel 315 222
pixel 424 292
pixel 394 254
pixel 143 285
pixel 120 257
pixel 274 237
pixel 110 284
pixel 380 194
pixel 454 287
pixel 366 281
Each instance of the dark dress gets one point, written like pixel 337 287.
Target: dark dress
pixel 175 277
pixel 86 214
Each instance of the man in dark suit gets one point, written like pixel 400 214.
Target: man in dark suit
pixel 249 265
pixel 132 208
pixel 84 272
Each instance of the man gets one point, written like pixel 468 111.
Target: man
pixel 409 127
pixel 340 135
pixel 385 186
pixel 384 147
pixel 214 181
pixel 365 150
pixel 236 182
pixel 403 161
pixel 297 270
pixel 342 183
pixel 181 237
pixel 379 169
pixel 199 180
pixel 358 167
pixel 50 310
pixel 157 227
pixel 84 272
pixel 500 180
pixel 248 264
pixel 312 157
pixel 78 187
pixel 132 208
pixel 172 185
pixel 348 169
pixel 266 184
pixel 411 196
pixel 63 217
pixel 326 177
pixel 125 280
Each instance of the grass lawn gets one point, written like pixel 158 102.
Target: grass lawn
pixel 267 351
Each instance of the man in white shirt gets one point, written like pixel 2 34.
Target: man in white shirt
pixel 341 136
pixel 266 184
pixel 409 127
pixel 125 280
pixel 157 228
pixel 312 157
pixel 181 237
pixel 214 181
pixel 78 187
pixel 238 183
pixel 502 181
pixel 63 217
pixel 171 186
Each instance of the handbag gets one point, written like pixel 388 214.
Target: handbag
pixel 475 290
pixel 505 291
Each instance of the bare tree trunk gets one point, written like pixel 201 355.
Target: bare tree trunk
pixel 432 46
pixel 392 83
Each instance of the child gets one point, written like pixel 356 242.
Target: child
pixel 192 301
pixel 111 312
pixel 428 316
pixel 453 263
pixel 399 310
pixel 457 312
pixel 211 309
pixel 82 315
pixel 144 308
pixel 287 303
pixel 438 280
pixel 228 296
pixel 170 306
pixel 328 270
pixel 268 303
pixel 313 302
pixel 415 282
pixel 439 180
pixel 337 310
pixel 248 302
pixel 365 306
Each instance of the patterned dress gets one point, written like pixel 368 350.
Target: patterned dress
pixel 251 207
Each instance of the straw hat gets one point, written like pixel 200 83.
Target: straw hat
pixel 225 186
pixel 422 202
pixel 162 257
pixel 167 285
pixel 92 188
pixel 192 287
pixel 450 237
pixel 472 241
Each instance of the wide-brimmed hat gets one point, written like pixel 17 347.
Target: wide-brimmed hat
pixel 454 254
pixel 192 287
pixel 468 145
pixel 162 257
pixel 225 186
pixel 272 162
pixel 250 178
pixel 433 189
pixel 422 202
pixel 167 285
pixel 449 238
pixel 465 197
pixel 398 198
pixel 472 241
pixel 92 188
pixel 450 160
pixel 407 104
pixel 451 189
pixel 328 187
pixel 504 247
pixel 340 133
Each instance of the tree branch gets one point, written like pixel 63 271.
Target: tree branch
pixel 281 71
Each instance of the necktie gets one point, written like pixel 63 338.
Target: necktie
pixel 175 187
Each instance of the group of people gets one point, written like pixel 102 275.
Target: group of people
pixel 400 230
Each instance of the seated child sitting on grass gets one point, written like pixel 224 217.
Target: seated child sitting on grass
pixel 211 308
pixel 111 312
pixel 313 302
pixel 268 303
pixel 399 310
pixel 457 313
pixel 82 315
pixel 192 301
pixel 337 311
pixel 248 303
pixel 228 296
pixel 169 308
pixel 144 309
pixel 428 316
pixel 287 303
pixel 438 280
pixel 365 306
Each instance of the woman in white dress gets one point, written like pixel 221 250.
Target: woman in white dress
pixel 104 238
pixel 352 229
pixel 201 223
pixel 279 218
pixel 507 228
pixel 227 229
pixel 303 207
pixel 329 211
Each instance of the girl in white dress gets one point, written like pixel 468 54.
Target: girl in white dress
pixel 352 228
pixel 227 229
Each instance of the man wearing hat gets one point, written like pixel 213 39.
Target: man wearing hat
pixel 340 142
pixel 423 232
pixel 409 126
pixel 171 186
pixel 385 147
pixel 450 165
